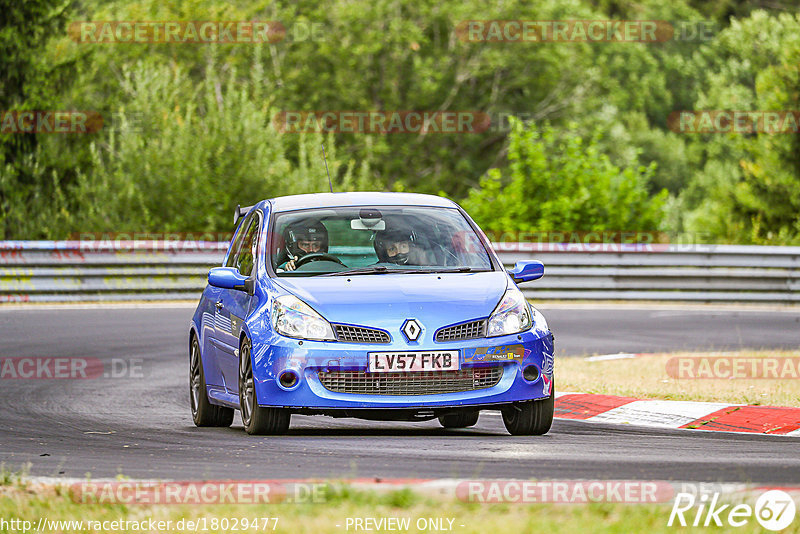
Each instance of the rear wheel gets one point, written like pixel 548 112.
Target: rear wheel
pixel 203 412
pixel 459 420
pixel 532 418
pixel 257 420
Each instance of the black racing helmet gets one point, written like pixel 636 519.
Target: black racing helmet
pixel 384 239
pixel 302 232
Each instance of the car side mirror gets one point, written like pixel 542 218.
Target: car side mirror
pixel 526 271
pixel 228 278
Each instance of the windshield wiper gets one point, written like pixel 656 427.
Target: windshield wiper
pixel 372 269
pixel 455 270
pixel 380 269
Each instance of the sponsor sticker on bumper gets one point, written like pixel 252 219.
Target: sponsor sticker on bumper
pixel 497 354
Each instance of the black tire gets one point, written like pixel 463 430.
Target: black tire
pixel 532 418
pixel 257 420
pixel 459 420
pixel 203 412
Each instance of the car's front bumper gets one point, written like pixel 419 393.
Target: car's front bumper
pixel 306 359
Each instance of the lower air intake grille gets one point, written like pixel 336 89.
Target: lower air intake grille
pixel 417 383
pixel 360 334
pixel 472 330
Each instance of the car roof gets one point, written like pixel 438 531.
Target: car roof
pixel 367 198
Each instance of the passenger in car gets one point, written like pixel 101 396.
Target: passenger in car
pixel 399 246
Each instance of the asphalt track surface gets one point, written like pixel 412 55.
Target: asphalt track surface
pixel 141 426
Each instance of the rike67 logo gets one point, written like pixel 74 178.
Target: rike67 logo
pixel 774 510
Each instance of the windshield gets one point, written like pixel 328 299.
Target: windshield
pixel 375 240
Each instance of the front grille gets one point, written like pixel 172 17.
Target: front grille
pixel 419 383
pixel 471 330
pixel 360 334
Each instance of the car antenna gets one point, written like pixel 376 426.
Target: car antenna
pixel 326 167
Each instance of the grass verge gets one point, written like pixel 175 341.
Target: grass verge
pixel 55 505
pixel 647 377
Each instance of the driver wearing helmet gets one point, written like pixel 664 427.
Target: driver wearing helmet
pixel 399 246
pixel 304 238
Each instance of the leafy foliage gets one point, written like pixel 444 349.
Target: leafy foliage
pixel 562 183
pixel 747 187
pixel 192 133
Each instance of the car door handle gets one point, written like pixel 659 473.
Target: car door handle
pixel 219 305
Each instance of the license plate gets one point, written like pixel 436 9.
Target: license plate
pixel 441 360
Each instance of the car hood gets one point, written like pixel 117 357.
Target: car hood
pixel 386 300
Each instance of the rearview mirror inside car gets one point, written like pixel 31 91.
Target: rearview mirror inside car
pixel 367 224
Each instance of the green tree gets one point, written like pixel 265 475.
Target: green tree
pixel 193 153
pixel 563 183
pixel 29 80
pixel 747 187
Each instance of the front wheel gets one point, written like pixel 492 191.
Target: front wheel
pixel 203 412
pixel 257 420
pixel 532 418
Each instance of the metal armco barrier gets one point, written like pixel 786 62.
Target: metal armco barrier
pixel 700 273
pixel 51 271
pixel 57 271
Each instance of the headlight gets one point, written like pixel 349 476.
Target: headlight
pixel 511 315
pixel 294 318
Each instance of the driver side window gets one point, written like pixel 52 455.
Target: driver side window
pixel 243 254
pixel 237 244
pixel 245 259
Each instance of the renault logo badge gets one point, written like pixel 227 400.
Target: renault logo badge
pixel 411 329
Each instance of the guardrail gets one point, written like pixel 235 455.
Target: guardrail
pixel 57 271
pixel 52 271
pixel 701 273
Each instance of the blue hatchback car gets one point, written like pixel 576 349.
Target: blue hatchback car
pixel 382 306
